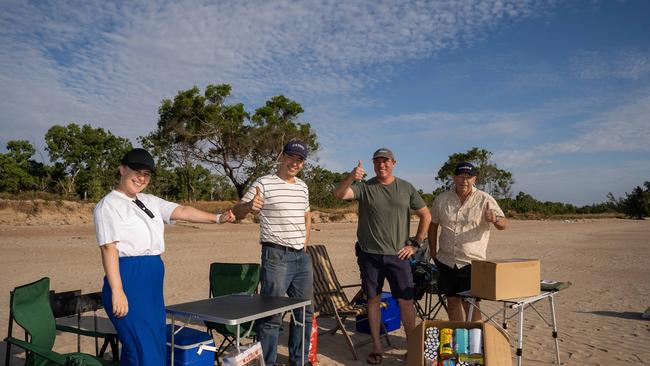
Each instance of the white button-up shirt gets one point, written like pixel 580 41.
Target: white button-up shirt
pixel 465 232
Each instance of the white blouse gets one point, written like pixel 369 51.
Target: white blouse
pixel 118 219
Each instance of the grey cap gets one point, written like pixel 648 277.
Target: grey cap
pixel 383 152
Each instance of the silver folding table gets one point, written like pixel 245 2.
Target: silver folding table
pixel 235 310
pixel 518 304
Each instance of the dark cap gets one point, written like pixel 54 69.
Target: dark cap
pixel 296 147
pixel 383 152
pixel 465 167
pixel 138 159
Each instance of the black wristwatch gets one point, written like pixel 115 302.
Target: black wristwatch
pixel 412 242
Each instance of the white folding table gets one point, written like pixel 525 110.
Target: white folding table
pixel 519 305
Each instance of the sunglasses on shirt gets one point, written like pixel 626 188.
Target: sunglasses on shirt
pixel 143 207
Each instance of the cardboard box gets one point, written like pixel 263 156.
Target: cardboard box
pixel 496 348
pixel 505 278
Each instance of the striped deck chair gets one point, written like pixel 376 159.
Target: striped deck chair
pixel 330 299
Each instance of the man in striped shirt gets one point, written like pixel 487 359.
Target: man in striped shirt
pixel 282 201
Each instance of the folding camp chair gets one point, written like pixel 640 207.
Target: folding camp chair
pixel 330 299
pixel 425 279
pixel 227 279
pixel 30 308
pixel 69 304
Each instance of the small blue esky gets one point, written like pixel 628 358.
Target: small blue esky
pixel 558 91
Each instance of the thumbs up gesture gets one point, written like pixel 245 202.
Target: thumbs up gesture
pixel 490 215
pixel 257 202
pixel 227 216
pixel 358 171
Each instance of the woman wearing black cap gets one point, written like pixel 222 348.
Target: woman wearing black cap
pixel 130 231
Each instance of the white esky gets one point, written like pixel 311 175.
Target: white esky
pixel 558 91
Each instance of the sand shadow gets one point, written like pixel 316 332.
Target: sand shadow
pixel 616 314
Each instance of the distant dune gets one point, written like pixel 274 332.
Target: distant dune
pixel 59 212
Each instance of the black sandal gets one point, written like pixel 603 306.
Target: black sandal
pixel 374 358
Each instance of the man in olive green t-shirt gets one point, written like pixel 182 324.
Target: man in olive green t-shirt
pixel 384 246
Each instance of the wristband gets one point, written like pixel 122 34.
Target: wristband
pixel 218 222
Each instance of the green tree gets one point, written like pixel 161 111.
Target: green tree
pixel 321 183
pixel 637 203
pixel 16 167
pixel 613 203
pixel 206 130
pixel 274 125
pixel 87 156
pixel 525 203
pixel 222 190
pixel 173 141
pixel 497 182
pixel 427 197
pixel 201 182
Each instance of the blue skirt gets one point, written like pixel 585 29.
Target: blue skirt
pixel 142 330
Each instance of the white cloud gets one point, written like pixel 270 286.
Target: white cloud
pixel 630 63
pixel 471 124
pixel 111 64
pixel 624 128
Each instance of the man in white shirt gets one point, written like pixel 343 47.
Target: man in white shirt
pixel 464 213
pixel 282 201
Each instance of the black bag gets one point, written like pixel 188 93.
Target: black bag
pixel 425 274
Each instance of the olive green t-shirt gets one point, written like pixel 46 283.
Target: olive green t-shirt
pixel 384 214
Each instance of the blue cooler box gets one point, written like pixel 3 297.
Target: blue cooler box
pixel 390 315
pixel 186 343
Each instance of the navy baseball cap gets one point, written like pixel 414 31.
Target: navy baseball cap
pixel 296 147
pixel 465 167
pixel 138 159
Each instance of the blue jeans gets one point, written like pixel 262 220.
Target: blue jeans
pixel 285 272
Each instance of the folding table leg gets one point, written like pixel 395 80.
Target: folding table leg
pixel 520 335
pixel 470 310
pixel 427 305
pixel 505 316
pixel 238 345
pixel 304 310
pixel 557 343
pixel 173 345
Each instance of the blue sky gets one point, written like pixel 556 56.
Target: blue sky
pixel 558 91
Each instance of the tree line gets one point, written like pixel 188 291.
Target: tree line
pixel 209 149
pixel 205 148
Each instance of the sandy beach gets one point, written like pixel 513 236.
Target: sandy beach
pixel 599 317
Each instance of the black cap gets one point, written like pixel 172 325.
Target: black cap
pixel 296 147
pixel 138 159
pixel 465 167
